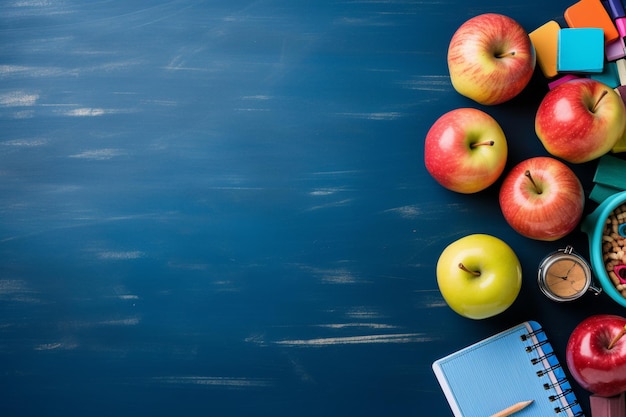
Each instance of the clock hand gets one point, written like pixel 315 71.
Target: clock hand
pixel 570 269
pixel 558 276
pixel 566 276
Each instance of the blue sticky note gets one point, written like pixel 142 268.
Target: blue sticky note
pixel 580 50
pixel 610 75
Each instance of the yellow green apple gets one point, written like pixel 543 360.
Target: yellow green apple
pixel 479 276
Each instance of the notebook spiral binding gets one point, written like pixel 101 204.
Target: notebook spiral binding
pixel 547 386
pixel 536 345
pixel 559 383
pixel 567 407
pixel 535 361
pixel 561 395
pixel 546 371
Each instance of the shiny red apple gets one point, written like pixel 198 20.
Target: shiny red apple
pixel 542 198
pixel 580 120
pixel 465 150
pixel 490 58
pixel 596 354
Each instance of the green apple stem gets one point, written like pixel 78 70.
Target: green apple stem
pixel 485 143
pixel 617 337
pixel 530 177
pixel 464 268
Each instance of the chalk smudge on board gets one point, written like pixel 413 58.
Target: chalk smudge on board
pixel 357 340
pixel 215 381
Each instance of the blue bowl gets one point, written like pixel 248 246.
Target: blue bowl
pixel 593 226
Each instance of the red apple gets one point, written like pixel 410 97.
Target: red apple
pixel 580 120
pixel 542 198
pixel 490 58
pixel 465 150
pixel 596 354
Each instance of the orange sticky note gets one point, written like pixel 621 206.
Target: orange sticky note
pixel 545 41
pixel 591 14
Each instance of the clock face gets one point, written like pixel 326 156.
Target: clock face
pixel 567 277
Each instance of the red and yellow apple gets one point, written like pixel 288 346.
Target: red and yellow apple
pixel 542 198
pixel 479 276
pixel 596 354
pixel 490 58
pixel 465 150
pixel 580 120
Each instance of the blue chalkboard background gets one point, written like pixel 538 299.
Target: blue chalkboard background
pixel 220 208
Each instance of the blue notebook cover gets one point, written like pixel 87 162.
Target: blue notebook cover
pixel 516 365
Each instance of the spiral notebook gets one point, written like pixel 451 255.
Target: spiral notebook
pixel 516 365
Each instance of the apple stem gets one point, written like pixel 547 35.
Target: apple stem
pixel 464 268
pixel 530 177
pixel 595 106
pixel 617 337
pixel 503 54
pixel 485 143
